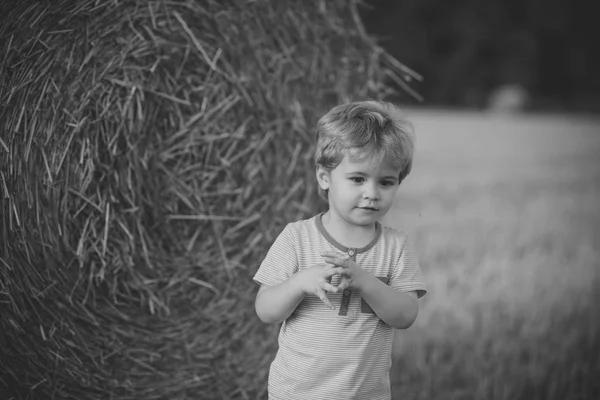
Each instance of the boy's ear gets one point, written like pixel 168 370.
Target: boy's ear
pixel 323 178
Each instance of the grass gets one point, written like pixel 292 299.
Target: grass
pixel 505 216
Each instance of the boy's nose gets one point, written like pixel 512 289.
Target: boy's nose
pixel 371 192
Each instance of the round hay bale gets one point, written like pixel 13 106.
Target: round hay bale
pixel 149 154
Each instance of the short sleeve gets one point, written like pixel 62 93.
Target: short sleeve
pixel 281 261
pixel 407 275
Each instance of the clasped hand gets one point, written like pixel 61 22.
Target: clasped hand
pixel 317 280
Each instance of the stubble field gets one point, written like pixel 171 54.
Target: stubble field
pixel 504 211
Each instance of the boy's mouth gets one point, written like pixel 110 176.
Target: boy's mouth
pixel 369 208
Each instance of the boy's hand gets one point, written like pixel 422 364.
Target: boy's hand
pixel 317 281
pixel 353 276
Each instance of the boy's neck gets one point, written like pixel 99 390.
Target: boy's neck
pixel 346 234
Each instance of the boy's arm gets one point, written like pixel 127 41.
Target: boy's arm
pixel 276 303
pixel 397 309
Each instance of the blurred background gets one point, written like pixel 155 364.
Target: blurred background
pixel 469 50
pixel 502 202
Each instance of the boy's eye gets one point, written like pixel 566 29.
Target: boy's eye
pixel 388 183
pixel 357 179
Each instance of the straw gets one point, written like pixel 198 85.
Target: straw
pixel 149 154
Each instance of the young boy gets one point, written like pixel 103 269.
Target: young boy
pixel 340 281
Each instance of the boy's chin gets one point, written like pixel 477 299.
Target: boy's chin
pixel 362 217
pixel 366 217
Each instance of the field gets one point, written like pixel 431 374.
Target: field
pixel 505 213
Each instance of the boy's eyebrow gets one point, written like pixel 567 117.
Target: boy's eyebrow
pixel 356 173
pixel 365 174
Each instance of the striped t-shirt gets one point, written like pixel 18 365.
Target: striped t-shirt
pixel 324 355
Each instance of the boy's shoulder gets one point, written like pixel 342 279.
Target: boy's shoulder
pixel 300 227
pixel 302 223
pixel 393 234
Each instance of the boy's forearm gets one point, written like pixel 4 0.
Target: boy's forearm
pixel 395 308
pixel 276 303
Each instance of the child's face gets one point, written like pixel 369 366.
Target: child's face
pixel 360 192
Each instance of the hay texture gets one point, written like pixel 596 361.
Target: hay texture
pixel 150 151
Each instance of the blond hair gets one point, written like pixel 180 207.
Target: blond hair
pixel 365 129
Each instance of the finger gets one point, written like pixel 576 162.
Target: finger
pixel 345 273
pixel 329 254
pixel 331 271
pixel 344 284
pixel 336 261
pixel 323 296
pixel 328 287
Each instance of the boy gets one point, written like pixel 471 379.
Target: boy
pixel 340 281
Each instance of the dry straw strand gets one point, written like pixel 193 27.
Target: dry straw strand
pixel 149 154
